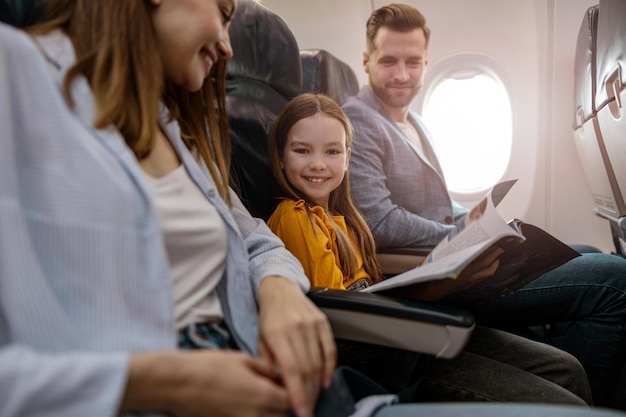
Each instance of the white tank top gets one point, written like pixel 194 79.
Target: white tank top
pixel 196 246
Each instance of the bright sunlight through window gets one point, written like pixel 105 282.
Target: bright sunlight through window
pixel 470 121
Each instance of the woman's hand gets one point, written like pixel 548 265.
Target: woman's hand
pixel 194 383
pixel 296 336
pixel 479 270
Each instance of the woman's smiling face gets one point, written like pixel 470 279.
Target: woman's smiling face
pixel 192 35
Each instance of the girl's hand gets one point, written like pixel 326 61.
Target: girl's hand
pixel 194 383
pixel 296 336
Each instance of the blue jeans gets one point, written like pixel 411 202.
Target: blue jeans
pixel 584 301
pixel 205 336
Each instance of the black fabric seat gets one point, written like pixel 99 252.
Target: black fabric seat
pixel 263 75
pixel 323 73
pixel 21 13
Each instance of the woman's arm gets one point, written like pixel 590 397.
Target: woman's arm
pixel 64 384
pixel 311 243
pixel 266 252
pixel 294 335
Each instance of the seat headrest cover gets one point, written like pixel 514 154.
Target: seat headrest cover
pixel 264 49
pixel 322 72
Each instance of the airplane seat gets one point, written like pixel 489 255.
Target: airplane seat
pixel 588 137
pixel 21 13
pixel 609 103
pixel 264 73
pixel 324 73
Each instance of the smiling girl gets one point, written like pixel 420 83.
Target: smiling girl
pixel 310 150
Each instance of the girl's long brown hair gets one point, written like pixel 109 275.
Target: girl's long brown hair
pixel 116 50
pixel 307 105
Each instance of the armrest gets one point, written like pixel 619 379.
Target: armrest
pixel 395 261
pixel 396 322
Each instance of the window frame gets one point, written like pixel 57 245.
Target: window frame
pixel 465 65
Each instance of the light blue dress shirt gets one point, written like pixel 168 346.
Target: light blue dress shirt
pixel 84 277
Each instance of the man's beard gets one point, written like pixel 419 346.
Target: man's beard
pixel 395 100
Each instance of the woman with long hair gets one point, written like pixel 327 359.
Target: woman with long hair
pixel 127 241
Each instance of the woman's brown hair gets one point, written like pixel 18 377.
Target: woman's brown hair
pixel 116 51
pixel 340 201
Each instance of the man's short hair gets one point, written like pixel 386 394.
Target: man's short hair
pixel 397 17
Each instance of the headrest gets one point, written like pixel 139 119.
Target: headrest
pixel 264 49
pixel 322 72
pixel 252 109
pixel 21 13
pixel 585 68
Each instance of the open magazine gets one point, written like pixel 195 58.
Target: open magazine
pixel 528 253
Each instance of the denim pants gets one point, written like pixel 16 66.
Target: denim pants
pixel 497 366
pixel 205 336
pixel 584 303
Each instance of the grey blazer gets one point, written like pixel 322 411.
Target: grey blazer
pixel 400 191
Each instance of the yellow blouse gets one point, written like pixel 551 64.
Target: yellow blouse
pixel 314 243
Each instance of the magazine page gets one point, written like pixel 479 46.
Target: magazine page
pixel 520 263
pixel 479 230
pixel 482 223
pixel 447 267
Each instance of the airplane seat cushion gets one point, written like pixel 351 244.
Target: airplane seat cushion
pixel 264 49
pixel 263 75
pixel 250 118
pixel 322 72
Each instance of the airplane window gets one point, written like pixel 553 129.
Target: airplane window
pixel 469 115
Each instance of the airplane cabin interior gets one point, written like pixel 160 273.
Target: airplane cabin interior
pixel 277 56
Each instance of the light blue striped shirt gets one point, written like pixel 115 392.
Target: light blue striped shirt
pixel 84 277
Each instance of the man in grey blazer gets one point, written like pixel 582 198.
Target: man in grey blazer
pixel 407 202
pixel 399 187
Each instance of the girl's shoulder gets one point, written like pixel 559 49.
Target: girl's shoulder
pixel 289 209
pixel 290 205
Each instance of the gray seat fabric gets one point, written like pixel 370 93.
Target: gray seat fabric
pixel 324 73
pixel 599 122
